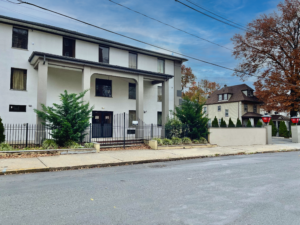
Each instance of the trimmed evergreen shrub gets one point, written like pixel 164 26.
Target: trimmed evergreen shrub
pixel 203 140
pixel 173 128
pixel 49 144
pixel 5 147
pixel 176 141
pixel 89 145
pixel 259 124
pixel 186 140
pixel 230 124
pixel 274 129
pixel 2 136
pixel 196 141
pixel 239 123
pixel 223 123
pixel 159 141
pixel 249 124
pixel 283 132
pixel 72 144
pixel 215 122
pixel 166 141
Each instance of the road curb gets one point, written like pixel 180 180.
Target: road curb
pixel 90 166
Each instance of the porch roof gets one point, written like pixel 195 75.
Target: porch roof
pixel 252 115
pixel 46 56
pixel 280 118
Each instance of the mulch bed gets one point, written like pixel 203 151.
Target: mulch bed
pixel 136 147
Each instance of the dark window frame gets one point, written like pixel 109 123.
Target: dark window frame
pixel 219 108
pixel 12 44
pixel 164 67
pixel 63 50
pixel 130 97
pixel 130 122
pixel 23 106
pixel 110 88
pixel 11 79
pixel 108 48
pixel 136 61
pixel 159 124
pixel 227 112
pixel 255 108
pixel 245 107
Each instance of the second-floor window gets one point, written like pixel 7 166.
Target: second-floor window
pixel 132 60
pixel 69 47
pixel 103 88
pixel 159 94
pixel 226 112
pixel 132 91
pixel 255 108
pixel 204 109
pixel 20 38
pixel 219 108
pixel 245 108
pixel 160 66
pixel 103 54
pixel 18 79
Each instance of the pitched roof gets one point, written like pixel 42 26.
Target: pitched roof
pixel 237 95
pixel 280 118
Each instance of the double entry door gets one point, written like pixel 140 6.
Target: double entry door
pixel 102 126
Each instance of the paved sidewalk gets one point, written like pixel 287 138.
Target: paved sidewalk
pixel 113 158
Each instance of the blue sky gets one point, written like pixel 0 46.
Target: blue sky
pixel 116 18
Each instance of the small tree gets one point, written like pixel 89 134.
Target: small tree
pixel 249 124
pixel 215 122
pixel 173 128
pixel 283 132
pixel 238 123
pixel 191 114
pixel 223 123
pixel 2 136
pixel 69 120
pixel 259 124
pixel 230 124
pixel 274 129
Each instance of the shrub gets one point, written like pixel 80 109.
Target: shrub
pixel 223 123
pixel 203 140
pixel 89 145
pixel 274 129
pixel 159 141
pixel 283 132
pixel 2 136
pixel 196 141
pixel 72 144
pixel 249 124
pixel 259 124
pixel 230 124
pixel 186 140
pixel 173 128
pixel 215 122
pixel 49 144
pixel 5 147
pixel 238 123
pixel 176 141
pixel 167 141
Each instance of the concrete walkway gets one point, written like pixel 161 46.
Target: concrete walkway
pixel 107 158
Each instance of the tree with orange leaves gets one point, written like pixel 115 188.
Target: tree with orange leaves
pixel 187 77
pixel 270 50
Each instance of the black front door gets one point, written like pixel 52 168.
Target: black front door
pixel 102 124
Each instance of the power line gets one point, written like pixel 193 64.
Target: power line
pixel 215 14
pixel 170 25
pixel 200 60
pixel 211 16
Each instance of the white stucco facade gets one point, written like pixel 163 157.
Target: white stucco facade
pixel 49 74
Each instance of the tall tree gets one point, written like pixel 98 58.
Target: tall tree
pixel 187 77
pixel 270 50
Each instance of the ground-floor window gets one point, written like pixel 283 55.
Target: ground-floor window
pixel 159 118
pixel 17 108
pixel 132 117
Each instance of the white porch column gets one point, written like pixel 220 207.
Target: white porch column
pixel 86 83
pixel 165 101
pixel 140 98
pixel 42 86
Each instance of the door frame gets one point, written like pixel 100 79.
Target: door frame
pixel 102 115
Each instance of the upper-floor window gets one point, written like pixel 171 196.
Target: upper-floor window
pixel 18 79
pixel 249 93
pixel 103 54
pixel 132 91
pixel 159 93
pixel 103 88
pixel 219 108
pixel 245 108
pixel 225 96
pixel 132 60
pixel 68 47
pixel 220 97
pixel 226 112
pixel 20 38
pixel 255 108
pixel 160 66
pixel 204 109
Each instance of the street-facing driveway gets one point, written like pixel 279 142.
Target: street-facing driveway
pixel 254 189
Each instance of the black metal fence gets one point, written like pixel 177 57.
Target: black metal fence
pixel 116 131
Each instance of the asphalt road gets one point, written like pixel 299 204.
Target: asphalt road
pixel 254 189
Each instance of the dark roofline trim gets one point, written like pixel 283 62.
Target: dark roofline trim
pixel 126 47
pixel 97 64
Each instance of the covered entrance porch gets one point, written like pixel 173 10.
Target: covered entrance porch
pixel 253 117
